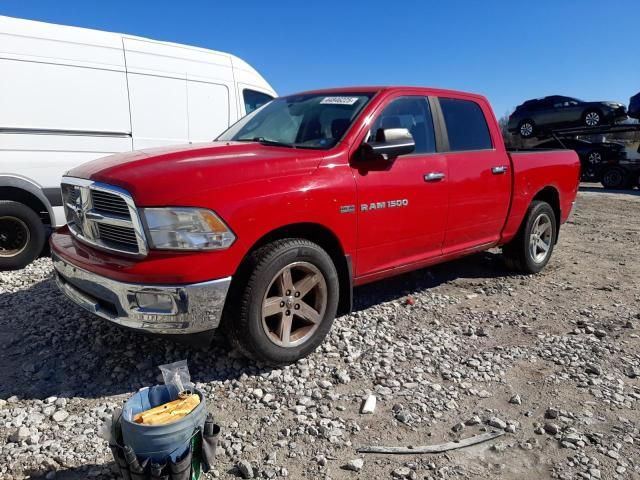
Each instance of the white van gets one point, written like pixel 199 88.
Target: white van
pixel 69 95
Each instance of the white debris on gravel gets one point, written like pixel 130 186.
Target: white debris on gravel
pixel 369 405
pixel 463 348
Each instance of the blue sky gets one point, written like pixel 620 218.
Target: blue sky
pixel 509 51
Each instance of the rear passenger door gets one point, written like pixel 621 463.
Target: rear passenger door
pixel 479 176
pixel 545 113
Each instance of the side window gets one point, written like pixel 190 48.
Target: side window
pixel 412 113
pixel 466 126
pixel 254 100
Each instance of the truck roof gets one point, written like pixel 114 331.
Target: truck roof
pixel 385 88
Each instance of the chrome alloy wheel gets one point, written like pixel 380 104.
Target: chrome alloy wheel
pixel 14 236
pixel 294 304
pixel 540 238
pixel 592 119
pixel 526 129
pixel 594 157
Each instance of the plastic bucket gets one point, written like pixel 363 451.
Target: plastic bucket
pixel 159 441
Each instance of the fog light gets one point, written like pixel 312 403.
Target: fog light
pixel 155 302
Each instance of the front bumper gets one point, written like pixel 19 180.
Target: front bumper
pixel 617 113
pixel 185 309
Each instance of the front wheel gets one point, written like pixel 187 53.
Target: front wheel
pixel 286 303
pixel 592 118
pixel 22 235
pixel 531 249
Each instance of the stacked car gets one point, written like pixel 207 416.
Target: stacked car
pixel 558 121
pixel 540 116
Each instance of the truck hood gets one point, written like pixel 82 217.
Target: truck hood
pixel 160 176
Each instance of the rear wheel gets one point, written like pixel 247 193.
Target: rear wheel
pixel 615 178
pixel 286 304
pixel 531 249
pixel 526 128
pixel 22 235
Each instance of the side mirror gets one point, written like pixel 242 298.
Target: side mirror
pixel 389 144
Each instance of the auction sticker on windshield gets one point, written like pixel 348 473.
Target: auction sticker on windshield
pixel 339 100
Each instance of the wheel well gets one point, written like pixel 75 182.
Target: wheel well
pixel 30 200
pixel 325 238
pixel 552 197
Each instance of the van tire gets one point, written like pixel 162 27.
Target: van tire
pixel 518 254
pixel 22 235
pixel 255 335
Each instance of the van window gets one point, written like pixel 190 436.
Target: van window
pixel 412 113
pixel 466 126
pixel 254 100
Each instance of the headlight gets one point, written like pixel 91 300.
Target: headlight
pixel 183 228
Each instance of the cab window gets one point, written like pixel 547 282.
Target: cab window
pixel 412 113
pixel 466 126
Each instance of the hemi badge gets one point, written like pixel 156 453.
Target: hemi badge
pixel 347 208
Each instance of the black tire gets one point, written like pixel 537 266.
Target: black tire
pixel 592 118
pixel 518 253
pixel 526 128
pixel 243 321
pixel 22 235
pixel 615 178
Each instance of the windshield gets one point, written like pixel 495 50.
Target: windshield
pixel 300 121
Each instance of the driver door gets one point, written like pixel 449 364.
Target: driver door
pixel 402 203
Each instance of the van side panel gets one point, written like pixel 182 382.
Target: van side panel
pixel 54 78
pixel 63 101
pixel 208 107
pixel 63 97
pixel 158 110
pixel 178 93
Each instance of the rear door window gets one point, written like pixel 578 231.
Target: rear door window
pixel 466 125
pixel 254 100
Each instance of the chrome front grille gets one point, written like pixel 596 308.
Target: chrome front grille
pixel 121 237
pixel 109 203
pixel 103 216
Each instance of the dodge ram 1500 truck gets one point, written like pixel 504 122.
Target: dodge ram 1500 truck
pixel 265 231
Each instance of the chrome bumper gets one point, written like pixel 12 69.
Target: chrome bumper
pixel 186 309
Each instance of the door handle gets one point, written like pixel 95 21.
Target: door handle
pixel 499 170
pixel 433 177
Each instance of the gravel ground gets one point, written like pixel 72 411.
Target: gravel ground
pixel 449 352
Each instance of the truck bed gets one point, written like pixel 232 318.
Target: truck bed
pixel 535 170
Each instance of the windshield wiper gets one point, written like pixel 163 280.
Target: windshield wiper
pixel 265 141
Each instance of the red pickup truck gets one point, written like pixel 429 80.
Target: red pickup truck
pixel 266 231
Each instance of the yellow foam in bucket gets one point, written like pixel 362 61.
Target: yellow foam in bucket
pixel 169 412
